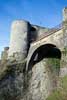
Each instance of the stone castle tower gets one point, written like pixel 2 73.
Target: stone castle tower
pixel 42 47
pixel 23 34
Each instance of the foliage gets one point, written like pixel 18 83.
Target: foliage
pixel 54 64
pixel 65 51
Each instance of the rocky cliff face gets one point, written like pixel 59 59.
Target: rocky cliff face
pixel 43 80
pixel 11 84
pixel 16 84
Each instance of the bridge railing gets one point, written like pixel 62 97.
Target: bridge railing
pixel 50 31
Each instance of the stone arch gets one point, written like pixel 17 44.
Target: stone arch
pixel 44 51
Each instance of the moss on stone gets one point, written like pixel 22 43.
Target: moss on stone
pixel 61 92
pixel 53 64
pixel 65 51
pixel 64 57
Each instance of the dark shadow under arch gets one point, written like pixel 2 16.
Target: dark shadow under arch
pixel 44 51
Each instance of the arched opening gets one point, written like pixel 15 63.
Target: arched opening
pixel 44 51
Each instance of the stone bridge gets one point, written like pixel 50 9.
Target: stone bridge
pixel 30 45
pixel 50 45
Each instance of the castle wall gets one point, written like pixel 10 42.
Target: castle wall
pixel 22 35
pixel 55 39
pixel 40 31
pixel 18 40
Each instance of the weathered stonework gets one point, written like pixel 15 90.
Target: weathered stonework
pixel 4 54
pixel 43 81
pixel 37 84
pixel 31 66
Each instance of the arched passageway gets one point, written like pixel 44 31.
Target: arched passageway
pixel 44 51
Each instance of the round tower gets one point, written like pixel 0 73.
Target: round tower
pixel 4 54
pixel 18 40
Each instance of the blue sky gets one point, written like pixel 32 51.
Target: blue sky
pixel 47 13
